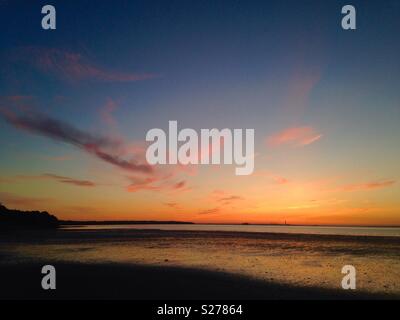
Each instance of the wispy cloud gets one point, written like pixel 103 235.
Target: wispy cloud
pixel 277 179
pixel 229 199
pixel 223 198
pixel 179 185
pixel 106 113
pixel 157 182
pixel 104 148
pixel 73 66
pixel 109 149
pixel 17 98
pixel 173 205
pixel 295 136
pixel 67 180
pixel 301 84
pixel 280 180
pixel 369 185
pixel 209 211
pixel 49 176
pixel 139 184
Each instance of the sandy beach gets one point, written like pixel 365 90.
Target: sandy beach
pixel 122 281
pixel 155 264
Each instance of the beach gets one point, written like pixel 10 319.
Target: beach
pixel 168 264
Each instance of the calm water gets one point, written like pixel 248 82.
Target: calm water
pixel 356 231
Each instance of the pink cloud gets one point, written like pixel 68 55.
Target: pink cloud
pixel 295 136
pixel 157 182
pixel 139 184
pixel 74 66
pixel 302 80
pixel 301 85
pixel 280 180
pixel 106 113
pixel 273 176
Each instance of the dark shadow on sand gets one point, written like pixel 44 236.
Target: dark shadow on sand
pixel 120 281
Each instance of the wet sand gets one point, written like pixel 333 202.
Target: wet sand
pixel 154 264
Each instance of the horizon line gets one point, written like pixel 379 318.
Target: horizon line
pixel 127 222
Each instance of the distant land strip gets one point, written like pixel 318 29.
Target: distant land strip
pixel 122 222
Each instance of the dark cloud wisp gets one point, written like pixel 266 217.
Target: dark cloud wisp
pixel 103 148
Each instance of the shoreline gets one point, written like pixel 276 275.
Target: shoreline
pixel 168 222
pixel 70 234
pixel 314 230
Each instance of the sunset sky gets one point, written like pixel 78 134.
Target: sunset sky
pixel 76 104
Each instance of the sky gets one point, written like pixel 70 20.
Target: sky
pixel 76 104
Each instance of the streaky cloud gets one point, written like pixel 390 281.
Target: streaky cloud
pixel 103 148
pixel 73 66
pixel 68 180
pixel 369 185
pixel 295 136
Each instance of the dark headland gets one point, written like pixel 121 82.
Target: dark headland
pixel 118 222
pixel 16 219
